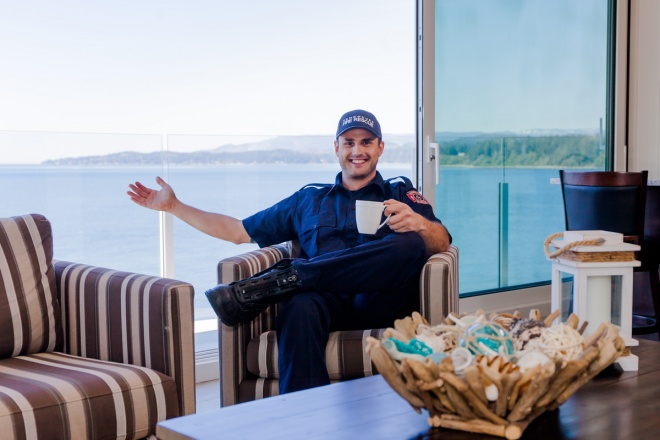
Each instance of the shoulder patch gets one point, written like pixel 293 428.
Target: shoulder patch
pixel 417 197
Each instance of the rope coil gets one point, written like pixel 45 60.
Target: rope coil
pixel 569 246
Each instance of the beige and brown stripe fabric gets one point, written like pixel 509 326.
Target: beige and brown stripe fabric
pixel 345 355
pixel 59 396
pixel 257 388
pixel 130 318
pixel 29 312
pixel 234 340
pixel 439 286
pixel 248 359
pixel 87 352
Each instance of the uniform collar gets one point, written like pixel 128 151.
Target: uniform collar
pixel 377 181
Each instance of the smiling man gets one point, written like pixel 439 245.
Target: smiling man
pixel 358 150
pixel 341 279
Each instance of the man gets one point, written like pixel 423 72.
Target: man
pixel 341 280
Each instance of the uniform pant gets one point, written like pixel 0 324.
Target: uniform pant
pixel 368 286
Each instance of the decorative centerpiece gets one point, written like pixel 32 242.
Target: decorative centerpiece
pixel 491 375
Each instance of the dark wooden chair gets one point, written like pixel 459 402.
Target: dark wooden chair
pixel 652 243
pixel 614 201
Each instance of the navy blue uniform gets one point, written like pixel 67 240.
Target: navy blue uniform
pixel 349 280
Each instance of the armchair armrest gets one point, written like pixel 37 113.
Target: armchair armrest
pixel 249 263
pixel 245 265
pixel 130 318
pixel 233 340
pixel 438 286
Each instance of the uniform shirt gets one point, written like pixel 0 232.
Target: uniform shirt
pixel 322 216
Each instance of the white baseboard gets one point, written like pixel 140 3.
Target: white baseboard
pixel 523 300
pixel 207 366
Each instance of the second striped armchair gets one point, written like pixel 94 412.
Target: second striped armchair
pixel 248 352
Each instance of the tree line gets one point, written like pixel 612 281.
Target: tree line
pixel 585 151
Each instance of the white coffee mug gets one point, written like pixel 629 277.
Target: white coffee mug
pixel 368 215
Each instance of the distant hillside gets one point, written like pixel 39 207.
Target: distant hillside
pixel 456 149
pixel 282 149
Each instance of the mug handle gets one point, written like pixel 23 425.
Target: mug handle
pixel 384 222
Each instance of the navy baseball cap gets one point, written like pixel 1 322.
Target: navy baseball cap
pixel 359 119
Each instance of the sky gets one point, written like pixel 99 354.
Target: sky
pixel 520 65
pixel 93 77
pixel 245 68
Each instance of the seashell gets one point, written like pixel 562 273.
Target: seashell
pixel 531 358
pixel 525 330
pixel 492 393
pixel 461 359
pixel 503 319
pixel 435 343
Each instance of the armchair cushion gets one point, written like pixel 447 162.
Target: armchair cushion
pixel 345 355
pixel 65 396
pixel 29 310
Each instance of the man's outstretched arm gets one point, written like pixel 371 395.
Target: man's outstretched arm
pixel 216 225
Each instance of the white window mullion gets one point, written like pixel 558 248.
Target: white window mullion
pixel 166 226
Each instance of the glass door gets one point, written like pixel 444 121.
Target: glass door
pixel 519 90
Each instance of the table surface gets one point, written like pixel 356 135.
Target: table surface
pixel 612 406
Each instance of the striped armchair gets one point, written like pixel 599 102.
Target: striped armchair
pixel 248 352
pixel 87 352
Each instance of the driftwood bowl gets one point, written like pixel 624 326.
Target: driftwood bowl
pixel 493 395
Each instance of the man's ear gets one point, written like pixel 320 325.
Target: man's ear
pixel 336 148
pixel 381 147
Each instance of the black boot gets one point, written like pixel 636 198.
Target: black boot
pixel 241 301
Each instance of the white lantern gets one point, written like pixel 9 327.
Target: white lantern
pixel 595 282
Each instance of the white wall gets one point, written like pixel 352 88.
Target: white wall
pixel 644 88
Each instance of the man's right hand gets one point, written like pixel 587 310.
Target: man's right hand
pixel 159 200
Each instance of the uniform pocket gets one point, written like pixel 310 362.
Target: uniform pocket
pixel 310 224
pixel 330 238
pixel 308 235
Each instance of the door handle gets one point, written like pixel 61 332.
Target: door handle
pixel 433 157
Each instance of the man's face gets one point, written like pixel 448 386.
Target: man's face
pixel 358 151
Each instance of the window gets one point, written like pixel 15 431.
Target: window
pixel 241 79
pixel 521 91
pixel 83 196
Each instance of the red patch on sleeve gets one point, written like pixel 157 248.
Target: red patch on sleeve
pixel 417 197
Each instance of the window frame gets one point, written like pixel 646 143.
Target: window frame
pixel 427 157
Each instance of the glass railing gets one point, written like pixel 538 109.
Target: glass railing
pixel 79 182
pixel 497 200
pixel 85 200
pixel 499 216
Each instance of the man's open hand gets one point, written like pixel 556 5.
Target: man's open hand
pixel 159 200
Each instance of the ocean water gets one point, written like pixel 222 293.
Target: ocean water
pixel 500 248
pixel 94 222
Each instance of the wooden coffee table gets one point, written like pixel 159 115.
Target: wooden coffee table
pixel 614 406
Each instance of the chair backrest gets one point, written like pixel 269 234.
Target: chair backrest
pixel 30 319
pixel 652 221
pixel 605 200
